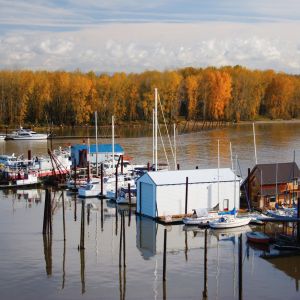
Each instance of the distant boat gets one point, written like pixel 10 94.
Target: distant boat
pixel 228 221
pixel 2 136
pixel 258 237
pixel 26 134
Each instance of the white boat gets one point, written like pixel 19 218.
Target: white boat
pixel 202 216
pixel 228 221
pixel 91 189
pixel 2 137
pixel 123 196
pixel 12 161
pixel 26 134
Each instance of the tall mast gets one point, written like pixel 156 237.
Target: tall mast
pixel 155 129
pixel 153 137
pixel 254 140
pixel 219 173
pixel 231 159
pixel 175 158
pixel 96 132
pixel 113 141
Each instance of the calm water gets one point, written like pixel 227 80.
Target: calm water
pixel 32 269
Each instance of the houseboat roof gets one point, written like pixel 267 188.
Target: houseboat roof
pixel 102 148
pixel 267 174
pixel 194 176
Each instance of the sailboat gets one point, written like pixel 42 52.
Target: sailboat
pixel 228 221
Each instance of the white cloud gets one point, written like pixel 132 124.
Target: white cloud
pixel 134 48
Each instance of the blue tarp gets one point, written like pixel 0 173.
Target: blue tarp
pixel 102 148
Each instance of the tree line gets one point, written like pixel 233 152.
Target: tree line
pixel 70 98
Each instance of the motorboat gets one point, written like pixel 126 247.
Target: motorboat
pixel 26 134
pixel 228 221
pixel 257 237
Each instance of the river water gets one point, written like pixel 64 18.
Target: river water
pixel 33 267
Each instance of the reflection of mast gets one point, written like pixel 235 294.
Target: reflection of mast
pixel 186 246
pixel 204 293
pixel 122 248
pixel 64 266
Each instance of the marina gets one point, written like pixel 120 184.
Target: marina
pixel 125 255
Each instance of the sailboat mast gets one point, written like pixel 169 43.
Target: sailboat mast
pixel 175 158
pixel 219 173
pixel 153 137
pixel 231 159
pixel 113 141
pixel 254 140
pixel 96 132
pixel 155 129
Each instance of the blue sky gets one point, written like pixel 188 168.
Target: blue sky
pixel 135 35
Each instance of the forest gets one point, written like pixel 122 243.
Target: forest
pixel 215 94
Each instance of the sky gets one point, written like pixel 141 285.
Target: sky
pixel 139 35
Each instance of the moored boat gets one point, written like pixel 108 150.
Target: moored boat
pixel 228 221
pixel 257 237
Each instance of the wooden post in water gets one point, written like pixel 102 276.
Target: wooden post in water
pixel 82 227
pixel 122 164
pixel 75 208
pixel 29 154
pixel 178 166
pixel 116 217
pixel 205 266
pixel 101 172
pixel 148 166
pixel 49 213
pixel 249 187
pixel 240 267
pixel 64 219
pixel 124 240
pixel 186 194
pixel 165 255
pixel 129 202
pixel 75 175
pixel 116 192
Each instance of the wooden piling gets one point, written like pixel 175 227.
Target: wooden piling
pixel 88 214
pixel 186 194
pixel 165 255
pixel 240 267
pixel 29 154
pixel 178 166
pixel 205 266
pixel 82 227
pixel 75 209
pixel 116 192
pixel 129 196
pixel 64 219
pixel 101 175
pixel 120 248
pixel 249 186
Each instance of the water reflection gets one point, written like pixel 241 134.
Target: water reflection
pixel 47 242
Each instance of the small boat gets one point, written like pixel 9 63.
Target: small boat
pixel 202 216
pixel 257 237
pixel 123 196
pixel 91 189
pixel 26 134
pixel 228 221
pixel 2 137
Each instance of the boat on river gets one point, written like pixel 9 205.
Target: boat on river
pixel 26 134
pixel 202 216
pixel 258 237
pixel 228 221
pixel 91 189
pixel 2 136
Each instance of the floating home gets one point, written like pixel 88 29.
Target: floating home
pixel 162 194
pixel 80 153
pixel 271 184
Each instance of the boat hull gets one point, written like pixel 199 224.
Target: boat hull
pixel 237 222
pixel 257 237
